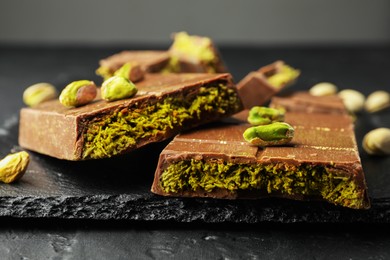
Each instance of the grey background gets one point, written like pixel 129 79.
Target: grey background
pixel 228 22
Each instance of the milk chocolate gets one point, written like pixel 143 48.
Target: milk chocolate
pixel 256 89
pixel 163 106
pixel 150 61
pixel 302 101
pixel 321 163
pixel 187 54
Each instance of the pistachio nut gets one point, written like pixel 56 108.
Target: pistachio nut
pixel 277 133
pixel 78 93
pixel 353 100
pixel 104 72
pixel 117 87
pixel 39 93
pixel 265 115
pixel 377 101
pixel 323 89
pixel 13 166
pixel 131 70
pixel 377 141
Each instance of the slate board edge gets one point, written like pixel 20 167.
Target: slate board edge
pixel 155 208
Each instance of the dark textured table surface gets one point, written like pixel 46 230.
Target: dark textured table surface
pixel 104 210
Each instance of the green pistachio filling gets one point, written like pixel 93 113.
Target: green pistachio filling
pixel 194 48
pixel 284 76
pixel 331 184
pixel 121 130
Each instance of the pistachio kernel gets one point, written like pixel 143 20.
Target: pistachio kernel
pixel 78 93
pixel 353 100
pixel 277 133
pixel 377 101
pixel 117 87
pixel 39 93
pixel 377 141
pixel 323 89
pixel 130 70
pixel 13 166
pixel 104 72
pixel 265 115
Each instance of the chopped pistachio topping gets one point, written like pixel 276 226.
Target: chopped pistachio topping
pixel 333 185
pixel 121 130
pixel 286 75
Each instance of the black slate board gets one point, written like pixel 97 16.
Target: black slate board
pixel 118 188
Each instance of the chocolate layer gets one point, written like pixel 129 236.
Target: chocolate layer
pixel 304 102
pixel 149 61
pixel 256 88
pixel 321 163
pixel 163 106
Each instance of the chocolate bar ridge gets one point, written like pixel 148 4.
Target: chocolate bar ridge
pixel 321 163
pixel 302 101
pixel 163 106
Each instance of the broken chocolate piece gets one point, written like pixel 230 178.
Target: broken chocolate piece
pixel 163 106
pixel 321 163
pixel 302 101
pixel 149 61
pixel 196 54
pixel 259 86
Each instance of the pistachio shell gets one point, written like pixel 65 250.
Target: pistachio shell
pixel 377 141
pixel 323 89
pixel 377 101
pixel 352 99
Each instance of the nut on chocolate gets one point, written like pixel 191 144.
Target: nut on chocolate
pixel 273 134
pixel 38 93
pixel 117 87
pixel 78 93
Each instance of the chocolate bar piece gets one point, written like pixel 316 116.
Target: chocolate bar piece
pixel 149 61
pixel 163 106
pixel 259 86
pixel 302 101
pixel 196 54
pixel 187 54
pixel 321 163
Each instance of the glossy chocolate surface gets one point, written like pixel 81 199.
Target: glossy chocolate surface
pixel 322 139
